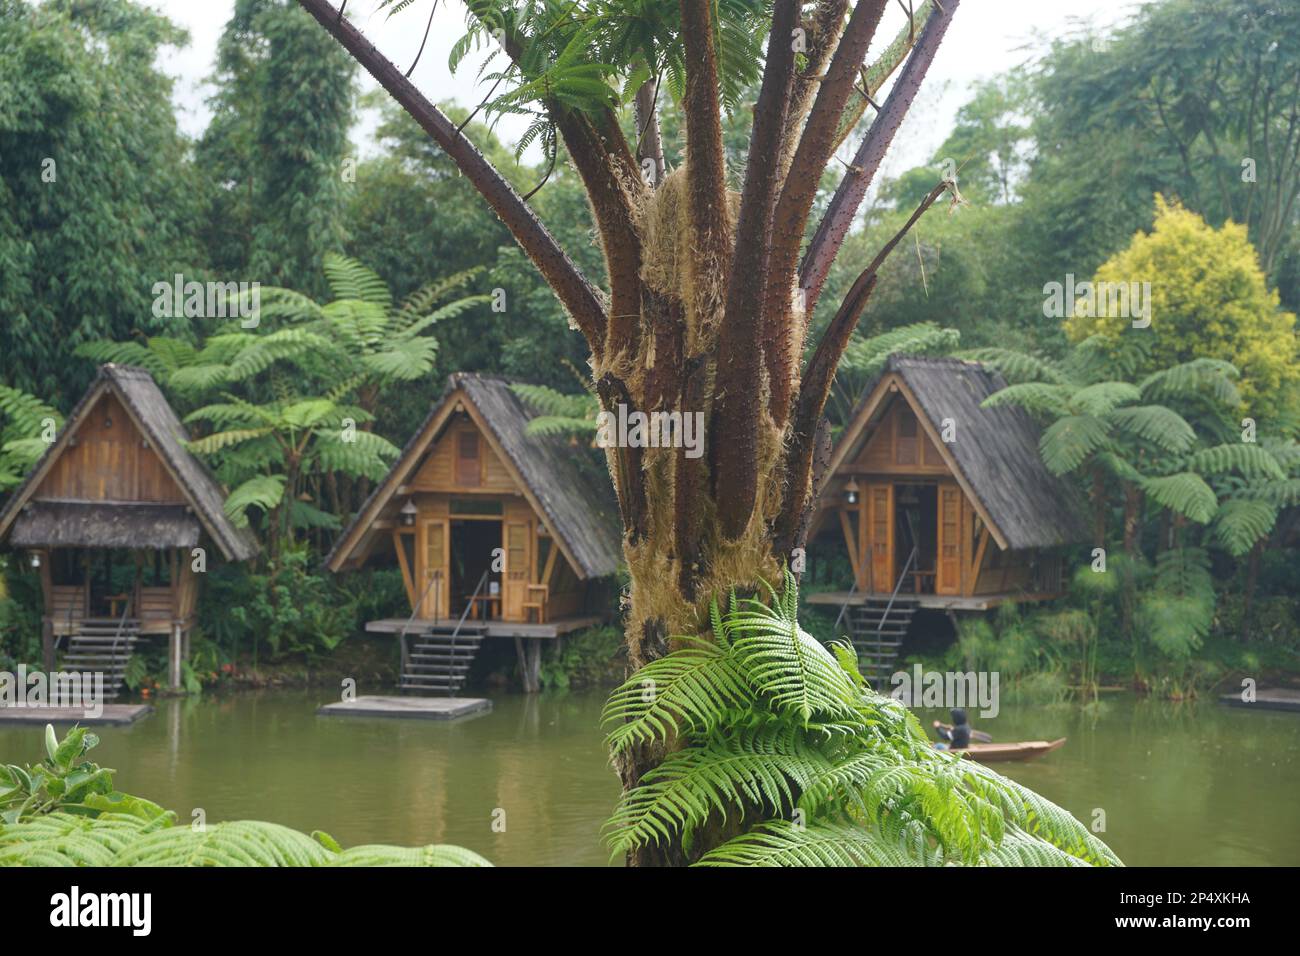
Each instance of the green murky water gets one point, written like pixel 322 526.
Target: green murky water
pixel 1197 784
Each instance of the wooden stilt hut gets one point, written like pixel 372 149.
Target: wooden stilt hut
pixel 119 520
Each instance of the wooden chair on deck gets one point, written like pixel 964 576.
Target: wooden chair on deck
pixel 536 596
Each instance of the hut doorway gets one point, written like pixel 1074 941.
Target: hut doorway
pixel 475 543
pixel 916 517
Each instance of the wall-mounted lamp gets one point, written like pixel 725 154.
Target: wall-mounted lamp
pixel 408 513
pixel 851 491
pixel 35 561
pixel 543 531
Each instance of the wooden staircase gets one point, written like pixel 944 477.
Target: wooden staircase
pixel 437 658
pixel 104 646
pixel 877 628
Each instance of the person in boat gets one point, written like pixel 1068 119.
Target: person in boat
pixel 958 735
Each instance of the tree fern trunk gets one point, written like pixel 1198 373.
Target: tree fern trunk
pixel 1132 549
pixel 1098 508
pixel 1252 583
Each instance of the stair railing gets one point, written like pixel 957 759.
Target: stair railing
pixel 434 582
pixel 897 585
pixel 121 623
pixel 469 606
pixel 845 606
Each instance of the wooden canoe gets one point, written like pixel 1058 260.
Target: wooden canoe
pixel 1020 750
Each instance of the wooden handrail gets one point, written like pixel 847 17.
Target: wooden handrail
pixel 469 605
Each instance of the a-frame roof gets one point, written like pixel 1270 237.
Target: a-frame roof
pixel 130 524
pixel 581 513
pixel 994 457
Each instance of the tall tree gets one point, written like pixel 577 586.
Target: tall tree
pixel 276 151
pixel 1194 98
pixel 707 290
pixel 96 192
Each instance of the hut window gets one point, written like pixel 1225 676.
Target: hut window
pixel 907 446
pixel 476 506
pixel 467 459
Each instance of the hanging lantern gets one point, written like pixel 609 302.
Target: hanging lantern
pixel 408 513
pixel 851 491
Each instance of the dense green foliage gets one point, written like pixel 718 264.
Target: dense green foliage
pixel 97 199
pixel 273 190
pixel 275 156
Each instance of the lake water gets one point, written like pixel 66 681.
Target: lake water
pixel 1198 784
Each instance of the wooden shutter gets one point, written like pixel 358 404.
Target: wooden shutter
pixel 948 578
pixel 468 470
pixel 516 575
pixel 880 535
pixel 907 446
pixel 434 559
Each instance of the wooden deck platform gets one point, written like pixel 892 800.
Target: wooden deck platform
pixel 940 602
pixel 113 714
pixel 1273 698
pixel 556 628
pixel 426 708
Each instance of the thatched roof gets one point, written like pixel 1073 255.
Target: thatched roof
pixel 92 524
pixel 995 455
pixel 582 514
pixel 128 524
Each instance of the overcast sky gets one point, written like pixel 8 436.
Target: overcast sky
pixel 987 37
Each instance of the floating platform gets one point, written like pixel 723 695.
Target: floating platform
pixel 491 628
pixel 938 602
pixel 113 714
pixel 1275 698
pixel 424 708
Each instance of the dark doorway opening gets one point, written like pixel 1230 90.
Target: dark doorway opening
pixel 916 525
pixel 473 543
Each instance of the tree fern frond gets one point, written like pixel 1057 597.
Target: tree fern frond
pixel 1241 523
pixel 26 413
pixel 211 444
pixel 721 776
pixel 422 300
pixel 1041 818
pixel 1017 367
pixel 1248 460
pixel 1203 376
pixel 234 843
pixel 1161 426
pixel 349 279
pixel 403 361
pixel 265 492
pixel 687 691
pixel 1102 398
pixel 417 856
pixel 867 356
pixel 1037 398
pixel 1070 441
pixel 550 402
pixel 795 671
pixel 781 843
pixel 447 312
pixel 124 353
pixel 1186 493
pixel 1284 494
